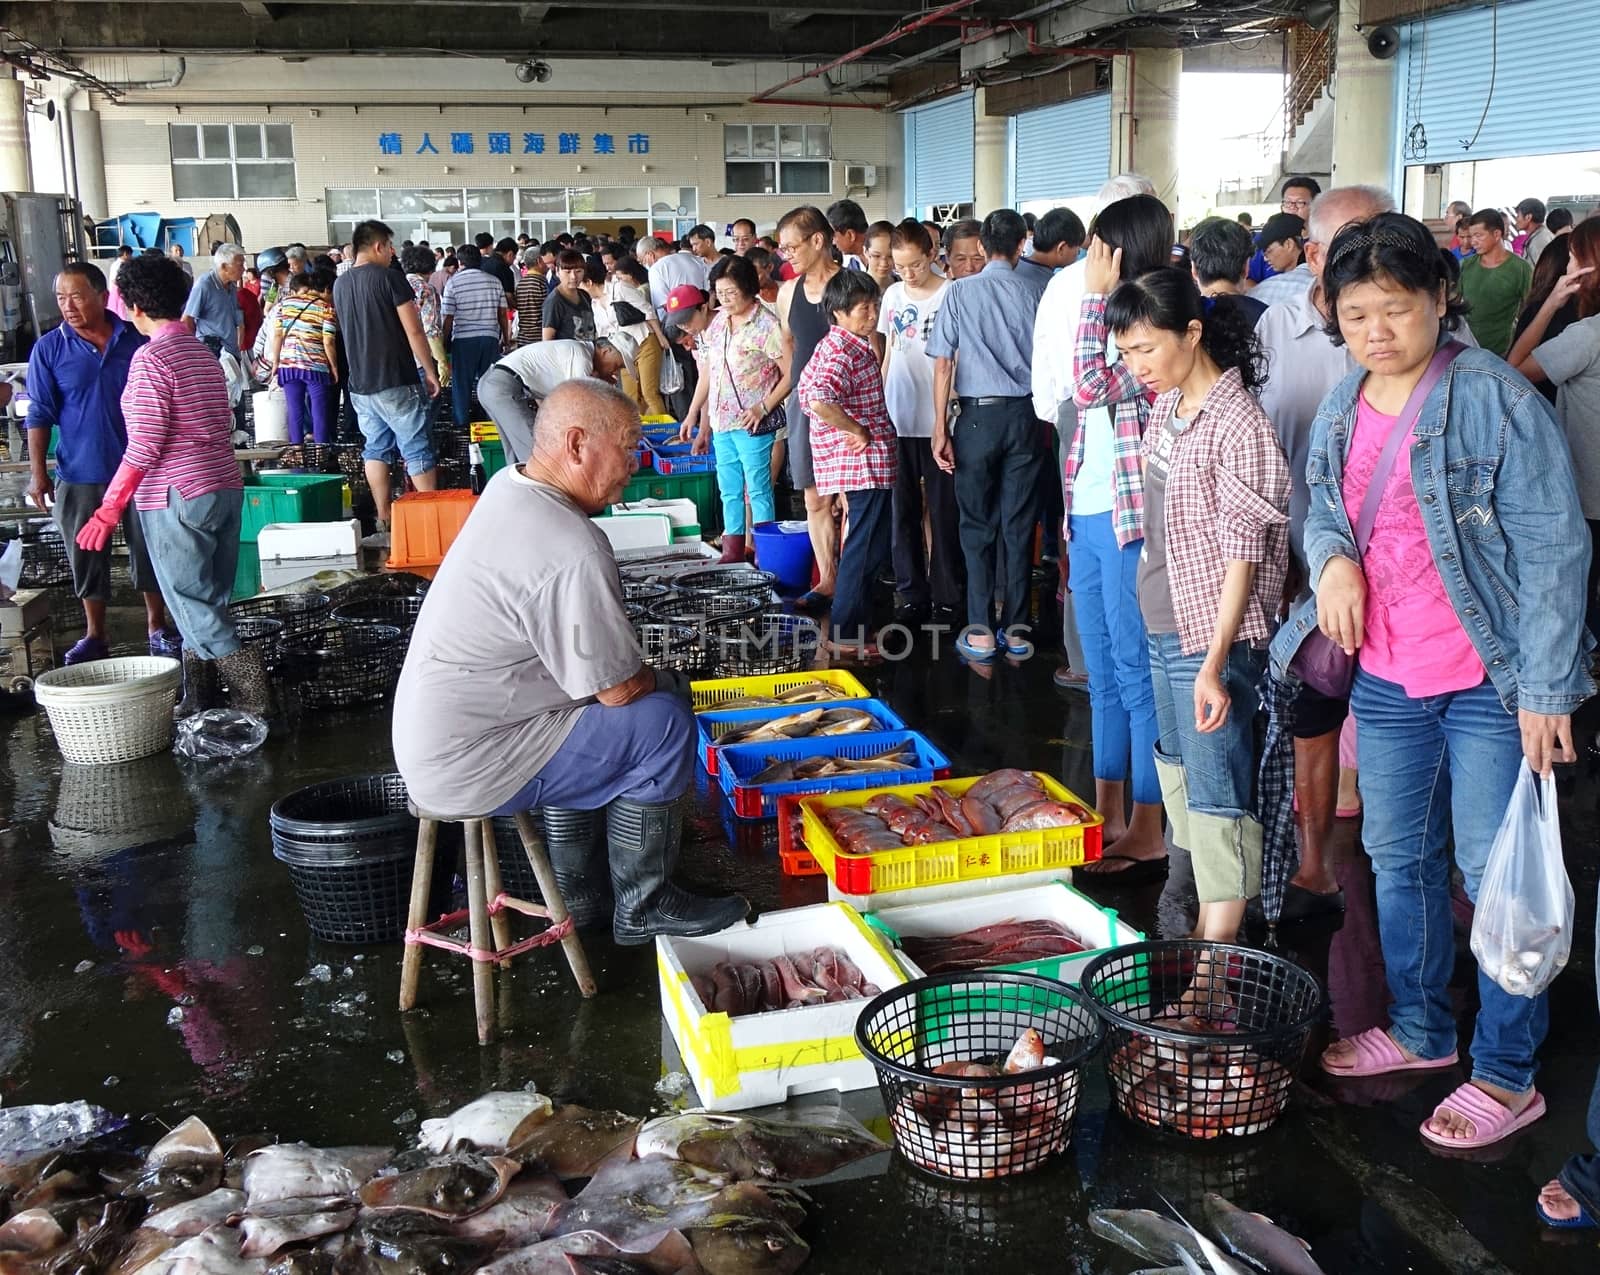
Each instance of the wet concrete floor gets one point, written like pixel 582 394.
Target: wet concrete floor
pixel 161 878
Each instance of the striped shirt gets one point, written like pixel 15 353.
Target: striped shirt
pixel 475 302
pixel 530 308
pixel 180 423
pixel 304 322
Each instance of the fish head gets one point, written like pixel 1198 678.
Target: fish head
pixel 747 1246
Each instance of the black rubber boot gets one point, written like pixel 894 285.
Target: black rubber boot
pixel 643 841
pixel 246 677
pixel 575 840
pixel 199 686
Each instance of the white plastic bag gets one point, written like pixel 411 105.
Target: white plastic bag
pixel 671 381
pixel 1522 928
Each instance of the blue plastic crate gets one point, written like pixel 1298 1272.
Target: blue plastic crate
pixel 739 763
pixel 713 724
pixel 679 458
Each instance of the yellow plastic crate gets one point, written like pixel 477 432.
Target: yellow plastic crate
pixel 716 692
pixel 965 859
pixel 483 432
pixel 658 420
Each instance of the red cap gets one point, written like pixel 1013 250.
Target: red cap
pixel 684 297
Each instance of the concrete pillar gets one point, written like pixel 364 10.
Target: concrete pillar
pixel 1363 107
pixel 16 172
pixel 1144 118
pixel 989 134
pixel 91 163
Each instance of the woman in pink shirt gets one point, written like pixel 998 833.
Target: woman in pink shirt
pixel 1464 613
pixel 180 473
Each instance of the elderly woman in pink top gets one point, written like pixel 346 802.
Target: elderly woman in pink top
pixel 180 473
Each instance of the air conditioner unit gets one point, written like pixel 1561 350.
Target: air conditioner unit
pixel 861 175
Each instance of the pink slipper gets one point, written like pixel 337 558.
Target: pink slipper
pixel 1378 1055
pixel 1491 1121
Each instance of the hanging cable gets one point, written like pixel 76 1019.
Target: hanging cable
pixel 1494 67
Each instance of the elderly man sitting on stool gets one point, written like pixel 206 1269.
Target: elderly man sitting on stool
pixel 524 686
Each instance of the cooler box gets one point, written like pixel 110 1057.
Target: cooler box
pixel 757 1059
pixel 1098 927
pixel 636 531
pixel 290 551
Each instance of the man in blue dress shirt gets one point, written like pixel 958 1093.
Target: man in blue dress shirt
pixel 76 375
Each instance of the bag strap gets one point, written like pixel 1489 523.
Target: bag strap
pixel 727 340
pixel 1442 358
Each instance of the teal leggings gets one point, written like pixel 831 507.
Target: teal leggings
pixel 743 461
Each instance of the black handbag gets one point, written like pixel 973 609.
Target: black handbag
pixel 774 420
pixel 627 314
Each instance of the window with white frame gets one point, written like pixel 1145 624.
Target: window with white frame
pixel 777 159
pixel 232 161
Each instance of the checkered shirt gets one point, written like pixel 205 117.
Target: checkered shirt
pixel 844 371
pixel 1103 384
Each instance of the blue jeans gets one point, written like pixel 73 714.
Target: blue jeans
pixel 194 546
pixel 394 423
pixel 1106 605
pixel 1214 773
pixel 470 358
pixel 1429 768
pixel 743 462
pixel 862 558
pixel 643 751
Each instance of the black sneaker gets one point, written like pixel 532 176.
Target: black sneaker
pixel 911 613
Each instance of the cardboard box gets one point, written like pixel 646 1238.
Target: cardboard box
pixel 758 1059
pixel 1099 927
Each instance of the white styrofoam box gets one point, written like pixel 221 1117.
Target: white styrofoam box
pixel 949 890
pixel 757 1059
pixel 680 509
pixel 309 540
pixel 636 531
pixel 277 572
pixel 23 610
pixel 1099 927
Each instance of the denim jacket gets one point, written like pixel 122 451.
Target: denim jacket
pixel 1493 478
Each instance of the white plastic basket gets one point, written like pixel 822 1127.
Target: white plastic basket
pixel 111 710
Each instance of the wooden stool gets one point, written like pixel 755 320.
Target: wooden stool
pixel 489 932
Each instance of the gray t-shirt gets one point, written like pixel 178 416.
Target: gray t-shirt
pixel 1572 362
pixel 522 626
pixel 1154 581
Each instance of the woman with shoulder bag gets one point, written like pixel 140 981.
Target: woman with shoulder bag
pixel 1451 592
pixel 739 400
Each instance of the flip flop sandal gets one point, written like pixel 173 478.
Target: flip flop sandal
pixel 1492 1122
pixel 1141 871
pixel 1378 1055
pixel 811 602
pixel 1583 1222
pixel 979 654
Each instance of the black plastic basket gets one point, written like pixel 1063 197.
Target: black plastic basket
pixel 344 665
pixel 298 612
pixel 349 845
pixel 584 830
pixel 766 644
pixel 263 633
pixel 44 555
pixel 973 1126
pixel 702 609
pixel 398 611
pixel 313 458
pixel 645 590
pixel 675 647
pixel 1203 1039
pixel 740 580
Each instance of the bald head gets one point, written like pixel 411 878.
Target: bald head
pixel 585 404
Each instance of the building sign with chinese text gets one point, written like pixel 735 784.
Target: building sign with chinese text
pixel 492 143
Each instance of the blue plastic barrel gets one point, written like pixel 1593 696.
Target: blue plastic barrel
pixel 784 548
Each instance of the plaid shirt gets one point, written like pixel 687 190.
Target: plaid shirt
pixel 1102 384
pixel 844 371
pixel 1227 500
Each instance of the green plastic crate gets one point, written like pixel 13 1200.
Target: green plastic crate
pixel 494 458
pixel 290 498
pixel 700 488
pixel 247 575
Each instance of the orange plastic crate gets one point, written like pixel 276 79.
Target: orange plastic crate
pixel 424 524
pixel 795 859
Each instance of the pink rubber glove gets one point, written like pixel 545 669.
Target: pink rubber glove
pixel 96 533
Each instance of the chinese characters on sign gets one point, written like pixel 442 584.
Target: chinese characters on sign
pixel 500 144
